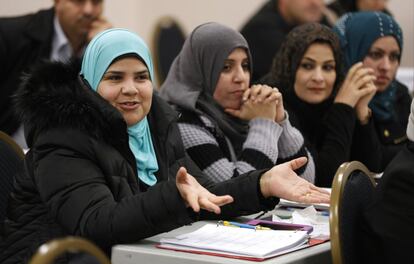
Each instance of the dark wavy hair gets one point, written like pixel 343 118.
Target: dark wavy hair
pixel 289 56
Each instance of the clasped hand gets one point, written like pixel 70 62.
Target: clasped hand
pixel 260 101
pixel 358 84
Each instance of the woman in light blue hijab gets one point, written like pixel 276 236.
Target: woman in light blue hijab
pixel 376 39
pixel 99 55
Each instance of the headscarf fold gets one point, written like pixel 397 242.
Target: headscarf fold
pixel 101 52
pixel 357 32
pixel 194 74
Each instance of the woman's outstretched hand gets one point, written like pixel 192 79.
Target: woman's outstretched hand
pixel 281 181
pixel 196 196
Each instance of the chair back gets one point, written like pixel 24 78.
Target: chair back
pixel 352 192
pixel 11 161
pixel 49 251
pixel 168 39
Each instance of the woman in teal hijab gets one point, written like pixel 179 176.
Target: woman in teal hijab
pixel 107 163
pixel 376 39
pixel 99 55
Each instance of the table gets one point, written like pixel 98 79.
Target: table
pixel 146 252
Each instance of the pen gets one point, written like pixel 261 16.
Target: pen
pixel 324 213
pixel 235 224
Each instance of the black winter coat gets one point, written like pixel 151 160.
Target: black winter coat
pixel 80 176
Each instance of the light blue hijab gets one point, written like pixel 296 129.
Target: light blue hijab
pixel 99 55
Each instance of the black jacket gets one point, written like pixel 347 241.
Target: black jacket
pixel 24 40
pixel 390 234
pixel 80 175
pixel 264 33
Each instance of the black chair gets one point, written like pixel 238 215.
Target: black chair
pixel 11 161
pixel 168 40
pixel 51 250
pixel 352 192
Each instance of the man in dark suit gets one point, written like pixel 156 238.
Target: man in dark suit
pixel 58 33
pixel 267 29
pixel 390 234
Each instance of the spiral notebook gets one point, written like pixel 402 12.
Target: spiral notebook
pixel 239 243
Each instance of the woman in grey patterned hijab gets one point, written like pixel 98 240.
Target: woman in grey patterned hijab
pixel 227 125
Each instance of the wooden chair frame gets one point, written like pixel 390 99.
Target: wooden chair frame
pixel 338 186
pixel 51 250
pixel 9 141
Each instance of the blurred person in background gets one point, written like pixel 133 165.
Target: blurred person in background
pixel 338 8
pixel 57 33
pixel 266 30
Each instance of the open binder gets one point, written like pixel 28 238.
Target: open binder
pixel 241 243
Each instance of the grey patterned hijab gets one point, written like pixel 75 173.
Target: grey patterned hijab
pixel 193 76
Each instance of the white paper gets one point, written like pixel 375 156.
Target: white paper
pixel 240 241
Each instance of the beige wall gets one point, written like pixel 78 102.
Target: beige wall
pixel 141 15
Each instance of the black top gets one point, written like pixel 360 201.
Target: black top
pixel 333 135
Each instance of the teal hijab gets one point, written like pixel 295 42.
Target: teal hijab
pixel 357 32
pixel 104 49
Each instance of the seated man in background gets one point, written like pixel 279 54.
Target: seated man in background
pixel 267 29
pixel 338 8
pixel 58 33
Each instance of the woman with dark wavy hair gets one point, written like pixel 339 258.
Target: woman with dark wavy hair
pixel 331 112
